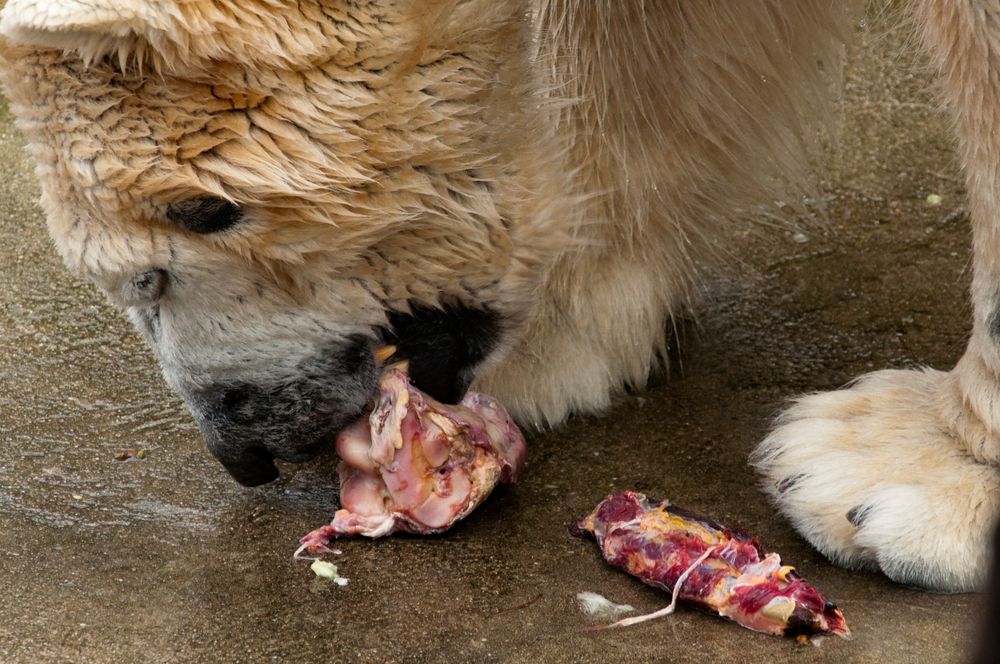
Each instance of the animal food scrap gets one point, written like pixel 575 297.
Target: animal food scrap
pixel 703 563
pixel 415 465
pixel 125 455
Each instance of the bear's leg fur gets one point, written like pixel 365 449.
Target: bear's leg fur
pixel 670 134
pixel 899 470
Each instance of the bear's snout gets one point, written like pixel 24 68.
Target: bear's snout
pixel 292 416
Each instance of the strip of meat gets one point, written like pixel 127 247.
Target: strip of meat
pixel 417 465
pixel 721 570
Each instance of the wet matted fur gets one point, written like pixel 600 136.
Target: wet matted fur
pixel 270 189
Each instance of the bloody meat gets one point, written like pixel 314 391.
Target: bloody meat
pixel 718 569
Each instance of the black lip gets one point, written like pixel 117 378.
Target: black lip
pixel 310 452
pixel 255 468
pixel 443 345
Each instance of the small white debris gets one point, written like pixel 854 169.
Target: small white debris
pixel 601 607
pixel 800 238
pixel 326 570
pixel 934 199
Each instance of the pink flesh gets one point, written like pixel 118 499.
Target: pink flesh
pixel 353 445
pixel 418 466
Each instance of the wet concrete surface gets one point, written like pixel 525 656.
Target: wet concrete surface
pixel 165 559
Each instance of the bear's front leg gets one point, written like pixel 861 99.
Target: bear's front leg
pixel 899 471
pixel 880 475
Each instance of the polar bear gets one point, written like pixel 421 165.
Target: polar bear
pixel 518 194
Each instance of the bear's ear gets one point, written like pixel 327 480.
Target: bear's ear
pixel 92 27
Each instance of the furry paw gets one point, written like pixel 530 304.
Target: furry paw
pixel 873 476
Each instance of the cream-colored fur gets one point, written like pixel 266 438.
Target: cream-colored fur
pixel 660 125
pixel 873 478
pixel 915 453
pixel 571 165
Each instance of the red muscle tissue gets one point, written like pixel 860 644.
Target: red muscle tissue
pixel 720 570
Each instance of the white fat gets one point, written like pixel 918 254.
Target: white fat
pixel 326 570
pixel 599 606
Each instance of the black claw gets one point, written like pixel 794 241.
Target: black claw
pixel 857 515
pixel 790 482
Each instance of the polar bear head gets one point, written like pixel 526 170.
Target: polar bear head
pixel 271 189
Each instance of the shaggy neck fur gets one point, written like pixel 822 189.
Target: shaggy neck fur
pixel 660 120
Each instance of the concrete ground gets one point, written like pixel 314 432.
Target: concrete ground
pixel 166 559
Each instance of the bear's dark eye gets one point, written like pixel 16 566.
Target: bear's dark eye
pixel 204 214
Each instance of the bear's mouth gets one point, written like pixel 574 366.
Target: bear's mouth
pixel 248 425
pixel 444 346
